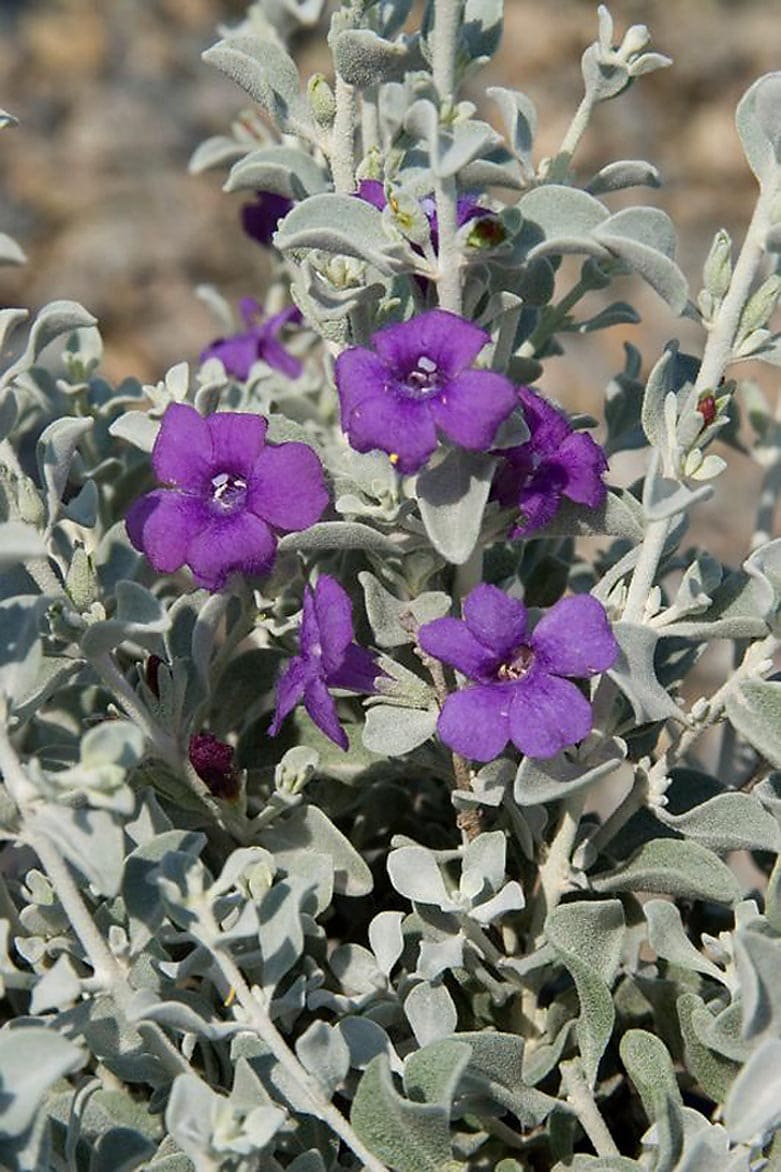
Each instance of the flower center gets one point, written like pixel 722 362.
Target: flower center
pixel 229 491
pixel 423 381
pixel 519 666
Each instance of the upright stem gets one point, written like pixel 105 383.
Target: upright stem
pixel 343 138
pixel 447 17
pixel 645 570
pixel 447 20
pixel 581 1099
pixel 559 167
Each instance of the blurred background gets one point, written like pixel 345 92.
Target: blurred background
pixel 113 97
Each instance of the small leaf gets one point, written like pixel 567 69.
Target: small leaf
pixel 650 1068
pixel 431 1012
pixel 757 120
pixel 264 71
pixel 410 1137
pixel 432 1074
pixel 635 674
pixel 140 617
pixel 754 708
pixel 338 535
pixel 18 542
pixel 754 1103
pixel 393 731
pixel 32 1058
pixel 339 224
pixel 282 170
pixel 671 867
pixel 667 937
pixel 452 496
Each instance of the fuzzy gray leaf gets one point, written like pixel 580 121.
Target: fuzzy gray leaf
pixel 452 496
pixel 671 867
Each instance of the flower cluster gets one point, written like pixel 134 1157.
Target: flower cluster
pixel 468 207
pixel 519 691
pixel 328 657
pixel 226 493
pixel 258 342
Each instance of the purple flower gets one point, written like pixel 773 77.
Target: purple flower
pixel 212 760
pixel 555 462
pixel 226 492
pixel 327 657
pixel 519 692
pixel 259 219
pixel 416 382
pixel 240 351
pixel 467 207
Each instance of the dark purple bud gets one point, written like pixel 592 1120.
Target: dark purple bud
pixel 152 674
pixel 212 760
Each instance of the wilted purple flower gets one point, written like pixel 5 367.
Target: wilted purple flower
pixel 226 492
pixel 416 382
pixel 212 760
pixel 555 462
pixel 467 207
pixel 328 657
pixel 240 351
pixel 259 219
pixel 518 691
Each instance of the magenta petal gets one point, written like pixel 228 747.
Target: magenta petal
pixel 320 705
pixel 237 353
pixel 309 630
pixel 495 619
pixel 357 671
pixel 574 637
pixel 287 488
pixel 234 542
pixel 451 641
pixel 584 464
pixel 162 523
pixel 447 339
pixel 359 373
pixel 334 621
pixel 182 455
pixel 399 427
pixel 237 439
pixel 290 689
pixel 471 407
pixel 473 722
pixel 373 192
pixel 547 714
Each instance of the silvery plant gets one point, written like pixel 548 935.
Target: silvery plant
pixel 360 807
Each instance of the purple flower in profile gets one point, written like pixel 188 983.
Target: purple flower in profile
pixel 328 657
pixel 259 340
pixel 212 760
pixel 519 689
pixel 260 219
pixel 467 207
pixel 226 494
pixel 418 381
pixel 555 462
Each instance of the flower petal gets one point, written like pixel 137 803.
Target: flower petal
pixel 584 463
pixel 236 353
pixel 546 714
pixel 495 619
pixel 237 439
pixel 373 192
pixel 182 455
pixel 539 499
pixel 359 374
pixel 274 354
pixel 473 722
pixel 290 689
pixel 357 671
pixel 320 705
pixel 548 426
pixel 161 525
pixel 574 637
pixel 445 338
pixel 237 542
pixel 334 620
pixel 287 487
pixel 470 408
pixel 259 220
pixel 451 641
pixel 400 427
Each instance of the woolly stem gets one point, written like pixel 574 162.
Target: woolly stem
pixel 444 42
pixel 444 45
pixel 116 683
pixel 581 1099
pixel 343 138
pixel 560 164
pixel 645 570
pixel 554 872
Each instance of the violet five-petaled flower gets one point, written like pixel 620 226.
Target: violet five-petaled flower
pixel 328 657
pixel 417 381
pixel 555 462
pixel 260 219
pixel 226 494
pixel 259 340
pixel 519 690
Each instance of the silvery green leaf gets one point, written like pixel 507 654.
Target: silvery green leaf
pixel 561 219
pixel 339 224
pixel 280 932
pixel 10 252
pixel 649 1065
pixel 620 175
pixel 481 28
pixel 713 1071
pixel 308 828
pixel 138 428
pixel 267 73
pixel 365 1040
pixel 18 542
pixel 754 708
pixel 385 612
pixel 139 617
pixel 509 899
pixel 324 1052
pixel 520 120
pixel 213 152
pixel 190 1118
pixel 619 313
pixel 635 674
pixel 728 822
pixel 757 121
pixel 620 516
pixel 91 840
pixel 757 957
pixel 9 320
pixel 178 1015
pixel 279 169
pixel 364 59
pixel 495 1069
pixel 437 956
pixel 393 731
pixel 754 1103
pixel 668 866
pixel 327 535
pixel 386 940
pixel 141 896
pixel 55 451
pixel 7 120
pixel 83 507
pixel 554 778
pixel 58 988
pixel 644 239
pixel 588 938
pixel 433 1073
pixel 55 319
pixel 667 937
pixel 310 1161
pixel 400 686
pixel 410 1137
pixel 21 652
pixel 32 1058
pixel 414 873
pixel 583 1163
pixel 452 496
pixel 430 1012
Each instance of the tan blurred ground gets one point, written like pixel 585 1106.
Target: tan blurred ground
pixel 113 97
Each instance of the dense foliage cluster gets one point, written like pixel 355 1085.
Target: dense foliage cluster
pixel 356 812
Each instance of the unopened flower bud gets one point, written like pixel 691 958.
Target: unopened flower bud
pixel 212 760
pixel 322 100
